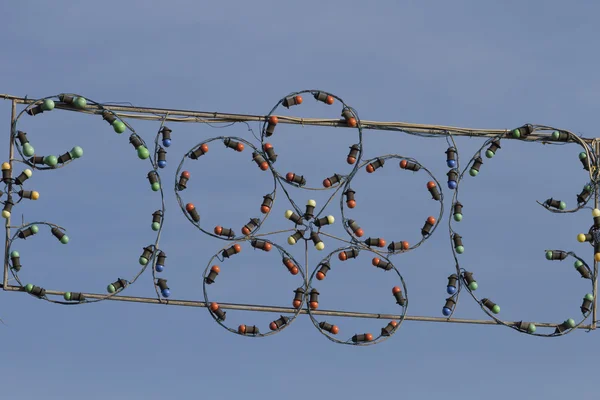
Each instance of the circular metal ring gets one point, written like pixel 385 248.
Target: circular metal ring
pixel 348 200
pixel 350 118
pixel 189 210
pixel 329 330
pixel 212 272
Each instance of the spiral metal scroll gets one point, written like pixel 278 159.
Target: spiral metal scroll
pixel 463 278
pixel 150 253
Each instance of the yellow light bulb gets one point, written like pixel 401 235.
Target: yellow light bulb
pixel 291 241
pixel 5 166
pixel 311 203
pixel 320 246
pixel 35 195
pixel 6 214
pixel 597 257
pixel 595 213
pixel 581 237
pixel 288 214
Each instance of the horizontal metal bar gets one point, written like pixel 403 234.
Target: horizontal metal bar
pixel 175 115
pixel 287 310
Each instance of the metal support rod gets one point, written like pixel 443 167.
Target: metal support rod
pixel 174 115
pixel 596 145
pixel 11 151
pixel 306 271
pixel 290 310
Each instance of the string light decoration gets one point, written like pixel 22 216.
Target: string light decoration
pixel 308 223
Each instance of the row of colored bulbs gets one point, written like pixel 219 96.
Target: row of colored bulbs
pixel 313 295
pixel 119 127
pixel 77 102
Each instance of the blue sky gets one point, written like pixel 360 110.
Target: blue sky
pixel 465 64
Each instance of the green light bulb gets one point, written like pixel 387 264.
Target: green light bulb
pixel 76 152
pixel 119 126
pixel 570 323
pixel 155 186
pixel 28 288
pixel 582 155
pixel 473 285
pixel 458 217
pixel 48 105
pixel 28 150
pixel 562 205
pixel 15 254
pixel 143 261
pixel 516 134
pixel 64 239
pixel 143 152
pixel 496 309
pixel 555 135
pixel 460 249
pixel 35 229
pixel 79 102
pixel 589 297
pixel 67 296
pixel 111 288
pixel 50 161
pixel 473 172
pixel 489 154
pixel 548 255
pixel 531 328
pixel 155 226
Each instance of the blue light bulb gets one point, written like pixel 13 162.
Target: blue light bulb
pixel 166 292
pixel 446 311
pixel 166 142
pixel 449 289
pixel 162 164
pixel 452 185
pixel 451 163
pixel 159 268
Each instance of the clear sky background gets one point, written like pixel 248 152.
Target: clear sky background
pixel 461 63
